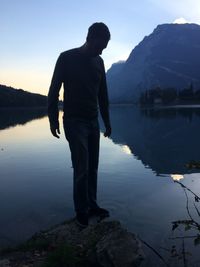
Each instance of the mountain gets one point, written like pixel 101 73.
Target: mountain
pixel 115 68
pixel 11 97
pixel 167 58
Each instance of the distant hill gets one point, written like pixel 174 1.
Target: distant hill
pixel 11 97
pixel 167 58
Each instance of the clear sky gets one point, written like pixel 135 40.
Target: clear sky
pixel 34 32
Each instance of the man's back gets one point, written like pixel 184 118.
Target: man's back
pixel 82 77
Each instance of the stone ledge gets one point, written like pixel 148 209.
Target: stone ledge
pixel 103 244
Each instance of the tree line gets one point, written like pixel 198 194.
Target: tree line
pixel 167 96
pixel 11 97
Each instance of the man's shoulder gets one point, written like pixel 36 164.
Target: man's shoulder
pixel 100 61
pixel 70 52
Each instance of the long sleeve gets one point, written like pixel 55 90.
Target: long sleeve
pixel 103 100
pixel 53 95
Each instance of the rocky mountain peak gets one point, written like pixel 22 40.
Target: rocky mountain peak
pixel 168 57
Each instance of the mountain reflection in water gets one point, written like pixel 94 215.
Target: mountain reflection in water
pixel 10 117
pixel 165 140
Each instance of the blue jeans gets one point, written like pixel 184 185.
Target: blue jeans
pixel 83 137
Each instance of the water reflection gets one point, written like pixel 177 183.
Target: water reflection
pixel 177 177
pixel 19 116
pixel 165 140
pixel 126 149
pixel 36 174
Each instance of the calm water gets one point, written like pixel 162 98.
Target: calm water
pixel 137 167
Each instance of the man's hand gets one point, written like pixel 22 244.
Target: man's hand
pixel 108 131
pixel 55 131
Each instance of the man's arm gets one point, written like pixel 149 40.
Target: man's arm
pixel 53 97
pixel 104 104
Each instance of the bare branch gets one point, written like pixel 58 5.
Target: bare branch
pixel 157 253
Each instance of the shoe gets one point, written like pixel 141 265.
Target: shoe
pixel 82 219
pixel 99 212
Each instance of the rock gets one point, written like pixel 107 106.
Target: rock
pixel 119 248
pixel 103 244
pixel 4 263
pixel 107 243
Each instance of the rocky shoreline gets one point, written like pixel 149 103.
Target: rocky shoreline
pixel 102 244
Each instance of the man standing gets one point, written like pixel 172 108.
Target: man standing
pixel 81 70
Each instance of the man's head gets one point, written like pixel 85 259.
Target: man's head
pixel 97 38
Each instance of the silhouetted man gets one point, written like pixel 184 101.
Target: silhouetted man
pixel 82 72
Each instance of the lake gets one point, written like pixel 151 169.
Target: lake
pixel 149 149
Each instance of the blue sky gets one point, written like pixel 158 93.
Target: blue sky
pixel 34 32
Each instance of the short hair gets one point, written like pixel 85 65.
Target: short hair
pixel 98 30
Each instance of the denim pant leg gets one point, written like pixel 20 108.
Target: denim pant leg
pixel 93 154
pixel 76 133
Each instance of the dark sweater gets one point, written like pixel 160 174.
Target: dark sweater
pixel 85 87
